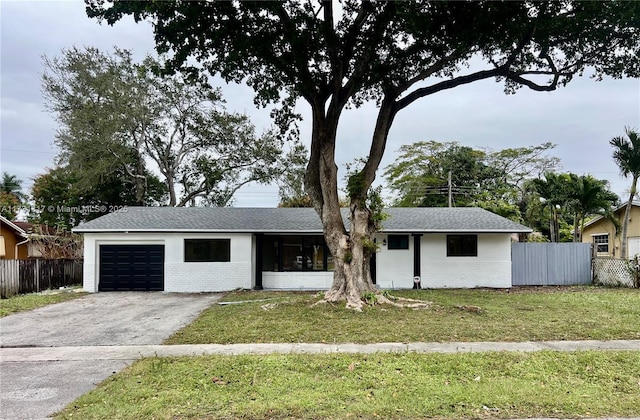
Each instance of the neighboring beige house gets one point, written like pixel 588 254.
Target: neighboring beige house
pixel 602 233
pixel 24 240
pixel 13 241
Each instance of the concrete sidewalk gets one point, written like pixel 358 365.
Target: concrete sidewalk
pixel 34 384
pixel 83 353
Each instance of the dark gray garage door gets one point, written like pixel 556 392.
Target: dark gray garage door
pixel 131 267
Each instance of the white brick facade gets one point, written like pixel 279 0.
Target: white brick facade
pixel 491 268
pixel 299 280
pixel 179 276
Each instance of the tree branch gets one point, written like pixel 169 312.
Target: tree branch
pixel 297 54
pixel 448 84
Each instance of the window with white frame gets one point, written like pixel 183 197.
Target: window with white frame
pixel 601 243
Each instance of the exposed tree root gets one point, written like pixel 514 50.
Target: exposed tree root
pixel 403 302
pixel 380 298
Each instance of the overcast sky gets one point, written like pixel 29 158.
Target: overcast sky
pixel 580 118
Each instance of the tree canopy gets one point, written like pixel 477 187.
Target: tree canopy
pixel 484 178
pixel 61 200
pixel 117 116
pixel 11 195
pixel 335 54
pixel 568 199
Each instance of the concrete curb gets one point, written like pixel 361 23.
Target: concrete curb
pixel 77 353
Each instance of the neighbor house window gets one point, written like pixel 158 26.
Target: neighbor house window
pixel 207 250
pixel 601 243
pixel 462 245
pixel 398 242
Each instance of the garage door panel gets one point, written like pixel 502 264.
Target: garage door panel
pixel 131 267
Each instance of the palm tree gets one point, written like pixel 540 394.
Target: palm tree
pixel 553 193
pixel 626 154
pixel 10 184
pixel 589 196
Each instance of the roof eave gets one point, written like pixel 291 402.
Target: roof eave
pixel 297 231
pixel 13 226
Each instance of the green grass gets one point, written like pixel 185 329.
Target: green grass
pixel 31 301
pixel 575 313
pixel 409 385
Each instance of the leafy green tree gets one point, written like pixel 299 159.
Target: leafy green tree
pixel 291 183
pixel 62 201
pixel 51 191
pixel 91 96
pixel 11 195
pixel 589 196
pixel 393 53
pixel 118 114
pixel 11 184
pixel 626 154
pixel 493 180
pixel 9 205
pixel 420 176
pixel 516 166
pixel 553 191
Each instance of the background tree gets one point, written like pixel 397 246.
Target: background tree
pixel 569 199
pixel 9 205
pixel 393 53
pixel 100 105
pixel 515 166
pixel 420 176
pixel 589 196
pixel 116 115
pixel 11 184
pixel 626 154
pixel 493 180
pixel 62 201
pixel 291 183
pixel 553 191
pixel 11 195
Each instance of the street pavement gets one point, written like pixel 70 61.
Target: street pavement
pixel 35 389
pixel 32 384
pixel 52 355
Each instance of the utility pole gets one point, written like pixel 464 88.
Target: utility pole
pixel 449 185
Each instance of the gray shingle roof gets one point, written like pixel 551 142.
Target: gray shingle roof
pixel 286 220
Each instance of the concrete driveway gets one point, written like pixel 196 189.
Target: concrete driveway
pixel 38 389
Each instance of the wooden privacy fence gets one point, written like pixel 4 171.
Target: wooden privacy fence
pixel 550 264
pixel 616 272
pixel 28 276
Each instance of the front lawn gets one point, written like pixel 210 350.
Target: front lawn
pixel 401 386
pixel 19 303
pixel 519 314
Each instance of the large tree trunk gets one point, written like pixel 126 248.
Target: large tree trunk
pixel 351 250
pixel 352 276
pixel 171 186
pixel 625 221
pixel 140 181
